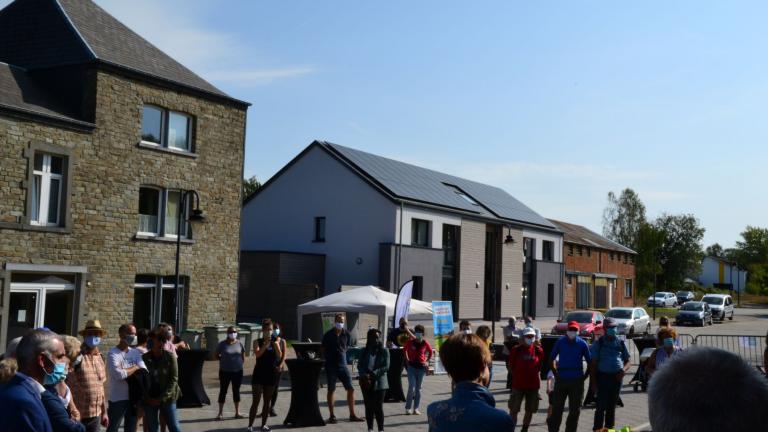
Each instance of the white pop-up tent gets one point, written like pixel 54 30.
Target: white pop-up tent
pixel 368 299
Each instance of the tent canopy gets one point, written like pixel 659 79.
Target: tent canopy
pixel 368 299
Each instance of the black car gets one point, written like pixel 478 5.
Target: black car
pixel 684 296
pixel 694 312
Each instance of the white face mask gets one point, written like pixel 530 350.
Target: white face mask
pixel 571 334
pixel 340 325
pixel 468 331
pixel 232 336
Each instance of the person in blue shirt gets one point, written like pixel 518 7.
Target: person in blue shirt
pixel 610 361
pixel 567 357
pixel 472 407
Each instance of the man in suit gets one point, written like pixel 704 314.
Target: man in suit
pixel 21 406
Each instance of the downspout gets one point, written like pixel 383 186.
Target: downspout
pixel 399 258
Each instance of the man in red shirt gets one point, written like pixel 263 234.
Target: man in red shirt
pixel 525 362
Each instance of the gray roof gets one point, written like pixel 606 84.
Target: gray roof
pixel 47 33
pixel 410 182
pixel 578 234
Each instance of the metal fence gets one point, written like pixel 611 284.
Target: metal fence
pixel 750 348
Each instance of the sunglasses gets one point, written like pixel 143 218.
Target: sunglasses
pixel 530 337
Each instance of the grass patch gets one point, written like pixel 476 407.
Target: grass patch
pixel 660 312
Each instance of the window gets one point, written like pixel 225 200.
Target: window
pixel 548 250
pixel 418 287
pixel 589 252
pixel 159 213
pixel 626 258
pixel 46 190
pixel 570 250
pixel 579 251
pixel 628 288
pixel 612 255
pixel 632 259
pixel 154 300
pixel 165 128
pixel 320 229
pixel 419 233
pixel 550 295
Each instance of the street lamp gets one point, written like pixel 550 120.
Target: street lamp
pixel 196 216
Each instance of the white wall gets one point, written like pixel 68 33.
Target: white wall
pixel 358 218
pixel 540 236
pixel 436 219
pixel 710 274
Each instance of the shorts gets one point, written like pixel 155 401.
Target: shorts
pixel 516 400
pixel 340 373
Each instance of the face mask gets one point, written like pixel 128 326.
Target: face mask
pixel 232 336
pixel 92 341
pixel 339 325
pixel 468 331
pixel 58 374
pixel 131 340
pixel 611 331
pixel 276 332
pixel 419 336
pixel 373 342
pixel 668 342
pixel 528 340
pixel 571 334
pixel 78 360
pixel 169 334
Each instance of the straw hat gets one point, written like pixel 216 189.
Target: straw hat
pixel 93 325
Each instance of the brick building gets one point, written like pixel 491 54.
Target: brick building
pixel 599 273
pixel 100 132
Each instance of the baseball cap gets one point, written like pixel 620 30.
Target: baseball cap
pixel 529 332
pixel 573 325
pixel 609 322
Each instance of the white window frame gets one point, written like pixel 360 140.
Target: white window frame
pixel 165 116
pixel 160 215
pixel 41 289
pixel 41 201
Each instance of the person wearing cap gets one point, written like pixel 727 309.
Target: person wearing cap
pixel 528 320
pixel 525 362
pixel 87 379
pixel 566 365
pixel 610 361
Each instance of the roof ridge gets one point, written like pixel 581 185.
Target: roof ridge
pixel 75 29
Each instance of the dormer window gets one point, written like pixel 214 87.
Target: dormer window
pixel 166 128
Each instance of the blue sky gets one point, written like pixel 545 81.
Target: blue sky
pixel 556 102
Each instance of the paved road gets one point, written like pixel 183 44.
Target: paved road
pixel 748 321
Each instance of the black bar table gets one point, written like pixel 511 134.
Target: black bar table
pixel 190 364
pixel 395 376
pixel 304 410
pixel 307 350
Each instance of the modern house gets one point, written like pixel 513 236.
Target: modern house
pixel 378 221
pixel 599 273
pixel 720 273
pixel 102 138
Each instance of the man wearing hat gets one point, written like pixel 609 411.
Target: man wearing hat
pixel 567 356
pixel 610 361
pixel 525 362
pixel 87 379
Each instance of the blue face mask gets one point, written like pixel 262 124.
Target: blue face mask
pixel 58 374
pixel 668 342
pixel 92 341
pixel 610 331
pixel 419 335
pixel 276 332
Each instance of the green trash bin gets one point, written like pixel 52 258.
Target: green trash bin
pixel 252 332
pixel 193 338
pixel 214 335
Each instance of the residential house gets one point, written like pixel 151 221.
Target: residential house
pixel 600 273
pixel 100 131
pixel 721 273
pixel 378 221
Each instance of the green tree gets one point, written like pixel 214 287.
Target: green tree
pixel 751 253
pixel 250 186
pixel 715 250
pixel 682 251
pixel 623 217
pixel 649 242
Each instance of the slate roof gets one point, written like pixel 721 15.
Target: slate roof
pixel 414 183
pixel 40 34
pixel 19 92
pixel 578 234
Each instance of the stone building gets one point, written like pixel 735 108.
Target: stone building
pixel 378 221
pixel 100 132
pixel 599 273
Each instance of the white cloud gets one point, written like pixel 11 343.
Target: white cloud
pixel 258 76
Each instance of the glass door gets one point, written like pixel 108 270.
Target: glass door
pixel 23 313
pixel 40 305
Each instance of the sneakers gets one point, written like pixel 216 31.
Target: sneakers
pixel 265 428
pixel 249 429
pixel 407 411
pixel 416 411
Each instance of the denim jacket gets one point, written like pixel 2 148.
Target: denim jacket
pixel 472 408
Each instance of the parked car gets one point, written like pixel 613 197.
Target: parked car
pixel 685 296
pixel 663 299
pixel 721 305
pixel 694 312
pixel 631 320
pixel 590 323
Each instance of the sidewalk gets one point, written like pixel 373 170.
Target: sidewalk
pixel 634 413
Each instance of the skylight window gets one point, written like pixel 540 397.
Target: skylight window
pixel 461 193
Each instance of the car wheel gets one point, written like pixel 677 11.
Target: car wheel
pixel 731 318
pixel 648 329
pixel 710 320
pixel 631 331
pixel 702 323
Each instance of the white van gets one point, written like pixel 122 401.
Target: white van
pixel 721 305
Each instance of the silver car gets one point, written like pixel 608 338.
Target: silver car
pixel 631 320
pixel 663 299
pixel 721 305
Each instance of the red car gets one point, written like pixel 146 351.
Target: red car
pixel 590 323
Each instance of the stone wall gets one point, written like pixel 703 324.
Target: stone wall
pixel 109 168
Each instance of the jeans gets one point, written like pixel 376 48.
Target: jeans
pixel 92 424
pixel 151 416
pixel 573 389
pixel 236 378
pixel 608 387
pixel 374 407
pixel 118 410
pixel 415 378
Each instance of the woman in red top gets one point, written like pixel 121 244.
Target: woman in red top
pixel 525 362
pixel 418 352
